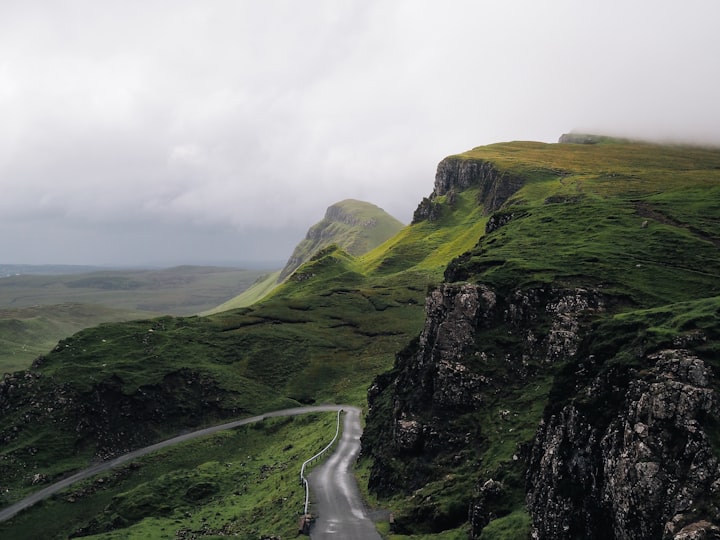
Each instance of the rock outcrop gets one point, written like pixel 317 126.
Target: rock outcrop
pixel 620 452
pixel 455 174
pixel 102 418
pixel 650 472
pixel 458 367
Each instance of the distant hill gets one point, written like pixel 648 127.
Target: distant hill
pixel 354 226
pixel 7 270
pixel 181 290
pixel 357 227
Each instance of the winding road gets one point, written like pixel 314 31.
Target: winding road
pixel 334 493
pixel 337 500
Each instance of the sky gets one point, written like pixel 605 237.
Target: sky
pixel 162 132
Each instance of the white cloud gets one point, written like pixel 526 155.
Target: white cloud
pixel 254 116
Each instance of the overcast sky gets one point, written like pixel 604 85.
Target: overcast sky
pixel 197 131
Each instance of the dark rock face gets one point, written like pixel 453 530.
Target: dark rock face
pixel 455 174
pixel 109 418
pixel 497 221
pixel 103 419
pixel 621 451
pixel 648 473
pixel 427 210
pixel 453 314
pixel 481 510
pixel 455 368
pixel 626 447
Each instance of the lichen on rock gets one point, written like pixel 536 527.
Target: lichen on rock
pixel 645 474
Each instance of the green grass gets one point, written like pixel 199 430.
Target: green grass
pixel 354 226
pixel 26 333
pixel 36 311
pixel 258 290
pixel 340 319
pixel 514 526
pixel 321 339
pixel 182 290
pixel 579 220
pixel 241 482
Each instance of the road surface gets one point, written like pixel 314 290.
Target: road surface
pixel 10 511
pixel 334 493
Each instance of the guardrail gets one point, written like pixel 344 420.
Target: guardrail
pixel 303 479
pixel 12 510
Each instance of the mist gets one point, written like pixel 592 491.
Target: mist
pixel 168 132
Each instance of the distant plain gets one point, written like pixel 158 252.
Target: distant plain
pixel 43 304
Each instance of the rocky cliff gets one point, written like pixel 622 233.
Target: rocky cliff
pixel 640 465
pixel 622 450
pixel 548 394
pixel 455 174
pixel 479 350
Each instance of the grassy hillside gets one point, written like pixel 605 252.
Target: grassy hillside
pixel 241 483
pixel 42 306
pixel 637 224
pixel 258 290
pixel 638 221
pixel 26 333
pixel 355 226
pixel 321 336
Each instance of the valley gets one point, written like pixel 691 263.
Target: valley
pixel 535 355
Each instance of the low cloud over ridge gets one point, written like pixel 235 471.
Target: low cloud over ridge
pixel 186 131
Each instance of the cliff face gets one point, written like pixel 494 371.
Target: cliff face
pixel 456 174
pixel 564 384
pixel 650 472
pixel 620 452
pixel 477 352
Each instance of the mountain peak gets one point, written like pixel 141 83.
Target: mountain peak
pixel 355 226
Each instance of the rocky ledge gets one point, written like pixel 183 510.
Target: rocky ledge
pixel 455 174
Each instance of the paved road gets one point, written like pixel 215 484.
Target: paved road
pixel 334 493
pixel 10 511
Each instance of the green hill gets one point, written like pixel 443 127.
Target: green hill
pixel 258 290
pixel 535 393
pixel 355 226
pixel 39 305
pixel 518 318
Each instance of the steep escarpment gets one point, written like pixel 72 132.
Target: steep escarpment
pixel 456 174
pixel 459 393
pixel 635 459
pixel 564 384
